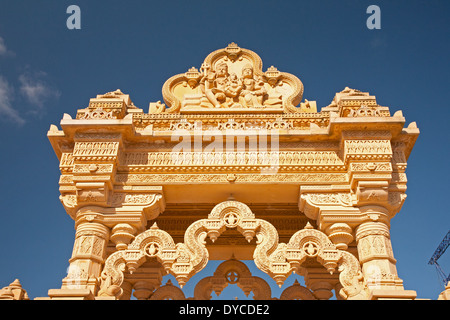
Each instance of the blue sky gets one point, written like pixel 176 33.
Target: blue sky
pixel 47 70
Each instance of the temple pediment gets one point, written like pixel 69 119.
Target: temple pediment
pixel 232 80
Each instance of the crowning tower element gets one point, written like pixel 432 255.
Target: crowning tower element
pixel 312 192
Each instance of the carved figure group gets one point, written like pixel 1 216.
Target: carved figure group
pixel 225 90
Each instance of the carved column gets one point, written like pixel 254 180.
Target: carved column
pixel 376 256
pixel 88 256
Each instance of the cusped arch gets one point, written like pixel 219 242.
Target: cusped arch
pixel 152 243
pixel 168 292
pixel 278 260
pixel 233 214
pixel 232 265
pixel 312 243
pixel 232 271
pixel 297 292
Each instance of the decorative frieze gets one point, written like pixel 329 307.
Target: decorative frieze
pixel 95 150
pixel 371 167
pixel 367 150
pixel 188 161
pixel 132 199
pixel 225 178
pixel 93 168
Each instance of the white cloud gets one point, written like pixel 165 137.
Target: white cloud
pixel 36 90
pixel 33 87
pixel 4 50
pixel 6 109
pixel 378 42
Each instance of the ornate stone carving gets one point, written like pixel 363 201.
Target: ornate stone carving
pixel 122 234
pixel 297 292
pixel 277 259
pixel 365 111
pixel 205 178
pixel 168 292
pixel 165 161
pixel 368 150
pixel 95 150
pixel 98 114
pixel 232 79
pixel 340 234
pixel 348 160
pixel 232 272
pixel 111 105
pixel 14 292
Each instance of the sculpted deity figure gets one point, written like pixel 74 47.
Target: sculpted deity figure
pixel 215 84
pixel 253 92
pixel 225 90
pixel 234 87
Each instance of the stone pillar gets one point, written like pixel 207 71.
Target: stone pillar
pixel 88 256
pixel 376 256
pixel 378 262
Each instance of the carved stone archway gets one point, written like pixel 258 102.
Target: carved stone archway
pixel 343 168
pixel 278 260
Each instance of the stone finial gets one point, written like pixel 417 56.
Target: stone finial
pixel 13 292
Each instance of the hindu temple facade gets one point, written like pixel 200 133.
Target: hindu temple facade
pixel 233 166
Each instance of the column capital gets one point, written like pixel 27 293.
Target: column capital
pixel 372 228
pixel 328 205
